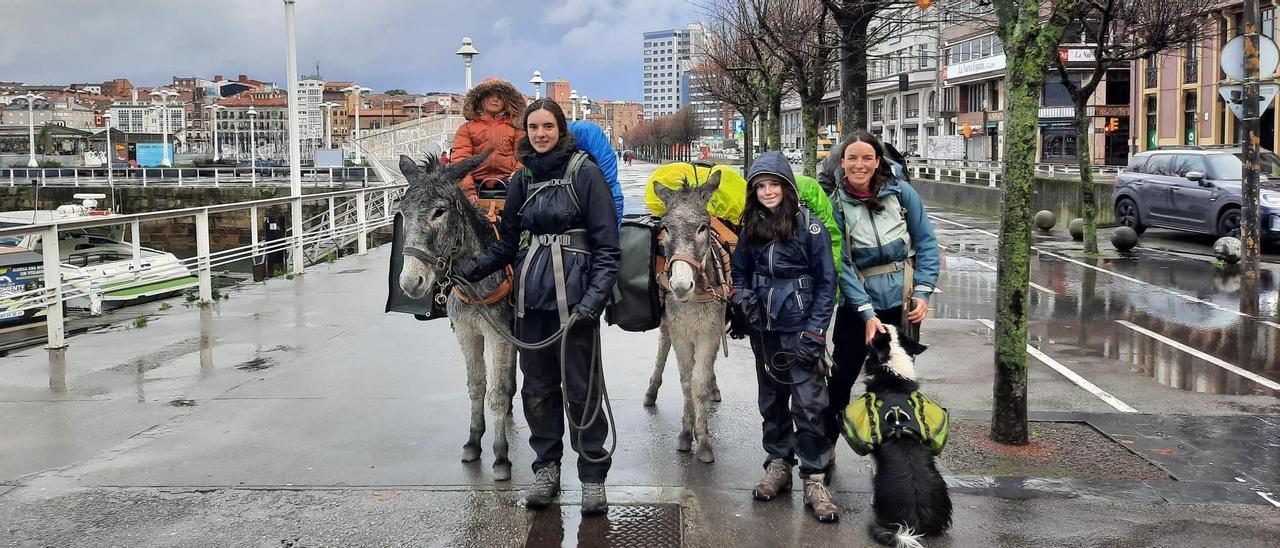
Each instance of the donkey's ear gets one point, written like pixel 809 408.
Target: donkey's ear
pixel 663 192
pixel 411 170
pixel 709 188
pixel 457 170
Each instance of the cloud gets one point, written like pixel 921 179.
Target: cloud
pixel 384 44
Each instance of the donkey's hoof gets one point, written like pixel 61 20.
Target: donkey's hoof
pixel 650 399
pixel 684 443
pixel 715 395
pixel 502 471
pixel 705 454
pixel 470 453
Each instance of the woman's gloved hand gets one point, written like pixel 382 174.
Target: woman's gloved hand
pixel 739 324
pixel 811 347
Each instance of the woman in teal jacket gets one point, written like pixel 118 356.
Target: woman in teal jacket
pixel 887 239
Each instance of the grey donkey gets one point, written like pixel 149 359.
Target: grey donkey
pixel 442 228
pixel 692 327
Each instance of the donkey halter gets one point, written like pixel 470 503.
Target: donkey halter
pixel 711 282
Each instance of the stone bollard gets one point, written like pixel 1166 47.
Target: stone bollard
pixel 1076 228
pixel 1124 238
pixel 1228 249
pixel 1045 220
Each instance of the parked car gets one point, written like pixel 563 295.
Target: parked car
pixel 1195 189
pixel 793 155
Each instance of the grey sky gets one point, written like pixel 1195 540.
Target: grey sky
pixel 410 44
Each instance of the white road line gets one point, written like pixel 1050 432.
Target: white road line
pixel 1117 274
pixel 1072 376
pixel 1206 357
pixel 1267 496
pixel 992 268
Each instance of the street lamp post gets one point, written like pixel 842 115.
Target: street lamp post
pixel 573 103
pixel 295 135
pixel 253 148
pixel 586 106
pixel 328 123
pixel 31 127
pixel 213 110
pixel 357 89
pixel 111 183
pixel 537 82
pixel 468 52
pixel 164 95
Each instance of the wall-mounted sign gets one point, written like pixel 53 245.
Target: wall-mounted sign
pixel 973 67
pixel 1076 55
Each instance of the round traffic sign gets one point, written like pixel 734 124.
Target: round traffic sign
pixel 1233 58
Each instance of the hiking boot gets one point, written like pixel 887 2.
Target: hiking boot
pixel 777 478
pixel 818 498
pixel 593 499
pixel 546 485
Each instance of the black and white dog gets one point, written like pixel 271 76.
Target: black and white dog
pixel 910 497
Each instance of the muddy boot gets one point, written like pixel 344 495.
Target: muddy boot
pixel 819 499
pixel 546 485
pixel 777 478
pixel 593 499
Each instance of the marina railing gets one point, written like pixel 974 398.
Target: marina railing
pixel 184 176
pixel 349 215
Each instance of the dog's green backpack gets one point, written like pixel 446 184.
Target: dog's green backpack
pixel 873 418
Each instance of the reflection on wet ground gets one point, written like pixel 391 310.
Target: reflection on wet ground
pixel 648 525
pixel 1186 300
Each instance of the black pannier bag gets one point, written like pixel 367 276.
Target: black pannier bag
pixel 637 301
pixel 425 308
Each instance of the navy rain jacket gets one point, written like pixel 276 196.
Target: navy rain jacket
pixel 794 282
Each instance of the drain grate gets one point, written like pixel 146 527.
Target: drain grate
pixel 625 526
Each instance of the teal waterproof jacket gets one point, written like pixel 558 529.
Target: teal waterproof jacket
pixel 899 232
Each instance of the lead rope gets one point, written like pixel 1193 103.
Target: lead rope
pixel 595 375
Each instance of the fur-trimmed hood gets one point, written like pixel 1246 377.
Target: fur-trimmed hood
pixel 510 95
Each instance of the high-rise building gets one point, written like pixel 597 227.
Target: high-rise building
pixel 310 116
pixel 668 56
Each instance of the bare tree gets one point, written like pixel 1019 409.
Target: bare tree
pixel 730 77
pixel 1122 31
pixel 736 33
pixel 802 34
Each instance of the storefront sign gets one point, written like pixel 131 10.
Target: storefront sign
pixel 1076 55
pixel 974 67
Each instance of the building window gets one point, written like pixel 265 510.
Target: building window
pixel 1151 122
pixel 1189 110
pixel 1152 79
pixel 877 110
pixel 912 105
pixel 933 104
pixel 974 96
pixel 924 55
pixel 893 108
pixel 1191 64
pixel 1059 145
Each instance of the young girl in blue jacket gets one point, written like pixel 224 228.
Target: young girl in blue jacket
pixel 784 287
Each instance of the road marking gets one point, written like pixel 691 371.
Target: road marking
pixel 994 269
pixel 1196 300
pixel 1267 496
pixel 1206 357
pixel 1072 376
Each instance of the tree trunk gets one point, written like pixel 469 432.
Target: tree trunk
pixel 1024 78
pixel 1088 190
pixel 853 76
pixel 773 130
pixel 748 120
pixel 809 123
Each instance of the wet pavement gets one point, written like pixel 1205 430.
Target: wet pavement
pixel 296 413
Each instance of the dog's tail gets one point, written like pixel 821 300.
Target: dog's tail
pixel 894 535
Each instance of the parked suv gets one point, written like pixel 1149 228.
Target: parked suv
pixel 1196 189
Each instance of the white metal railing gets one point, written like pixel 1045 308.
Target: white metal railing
pixel 990 173
pixel 183 176
pixel 328 227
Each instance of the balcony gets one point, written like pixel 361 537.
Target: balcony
pixel 877 117
pixel 1152 80
pixel 913 113
pixel 1190 71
